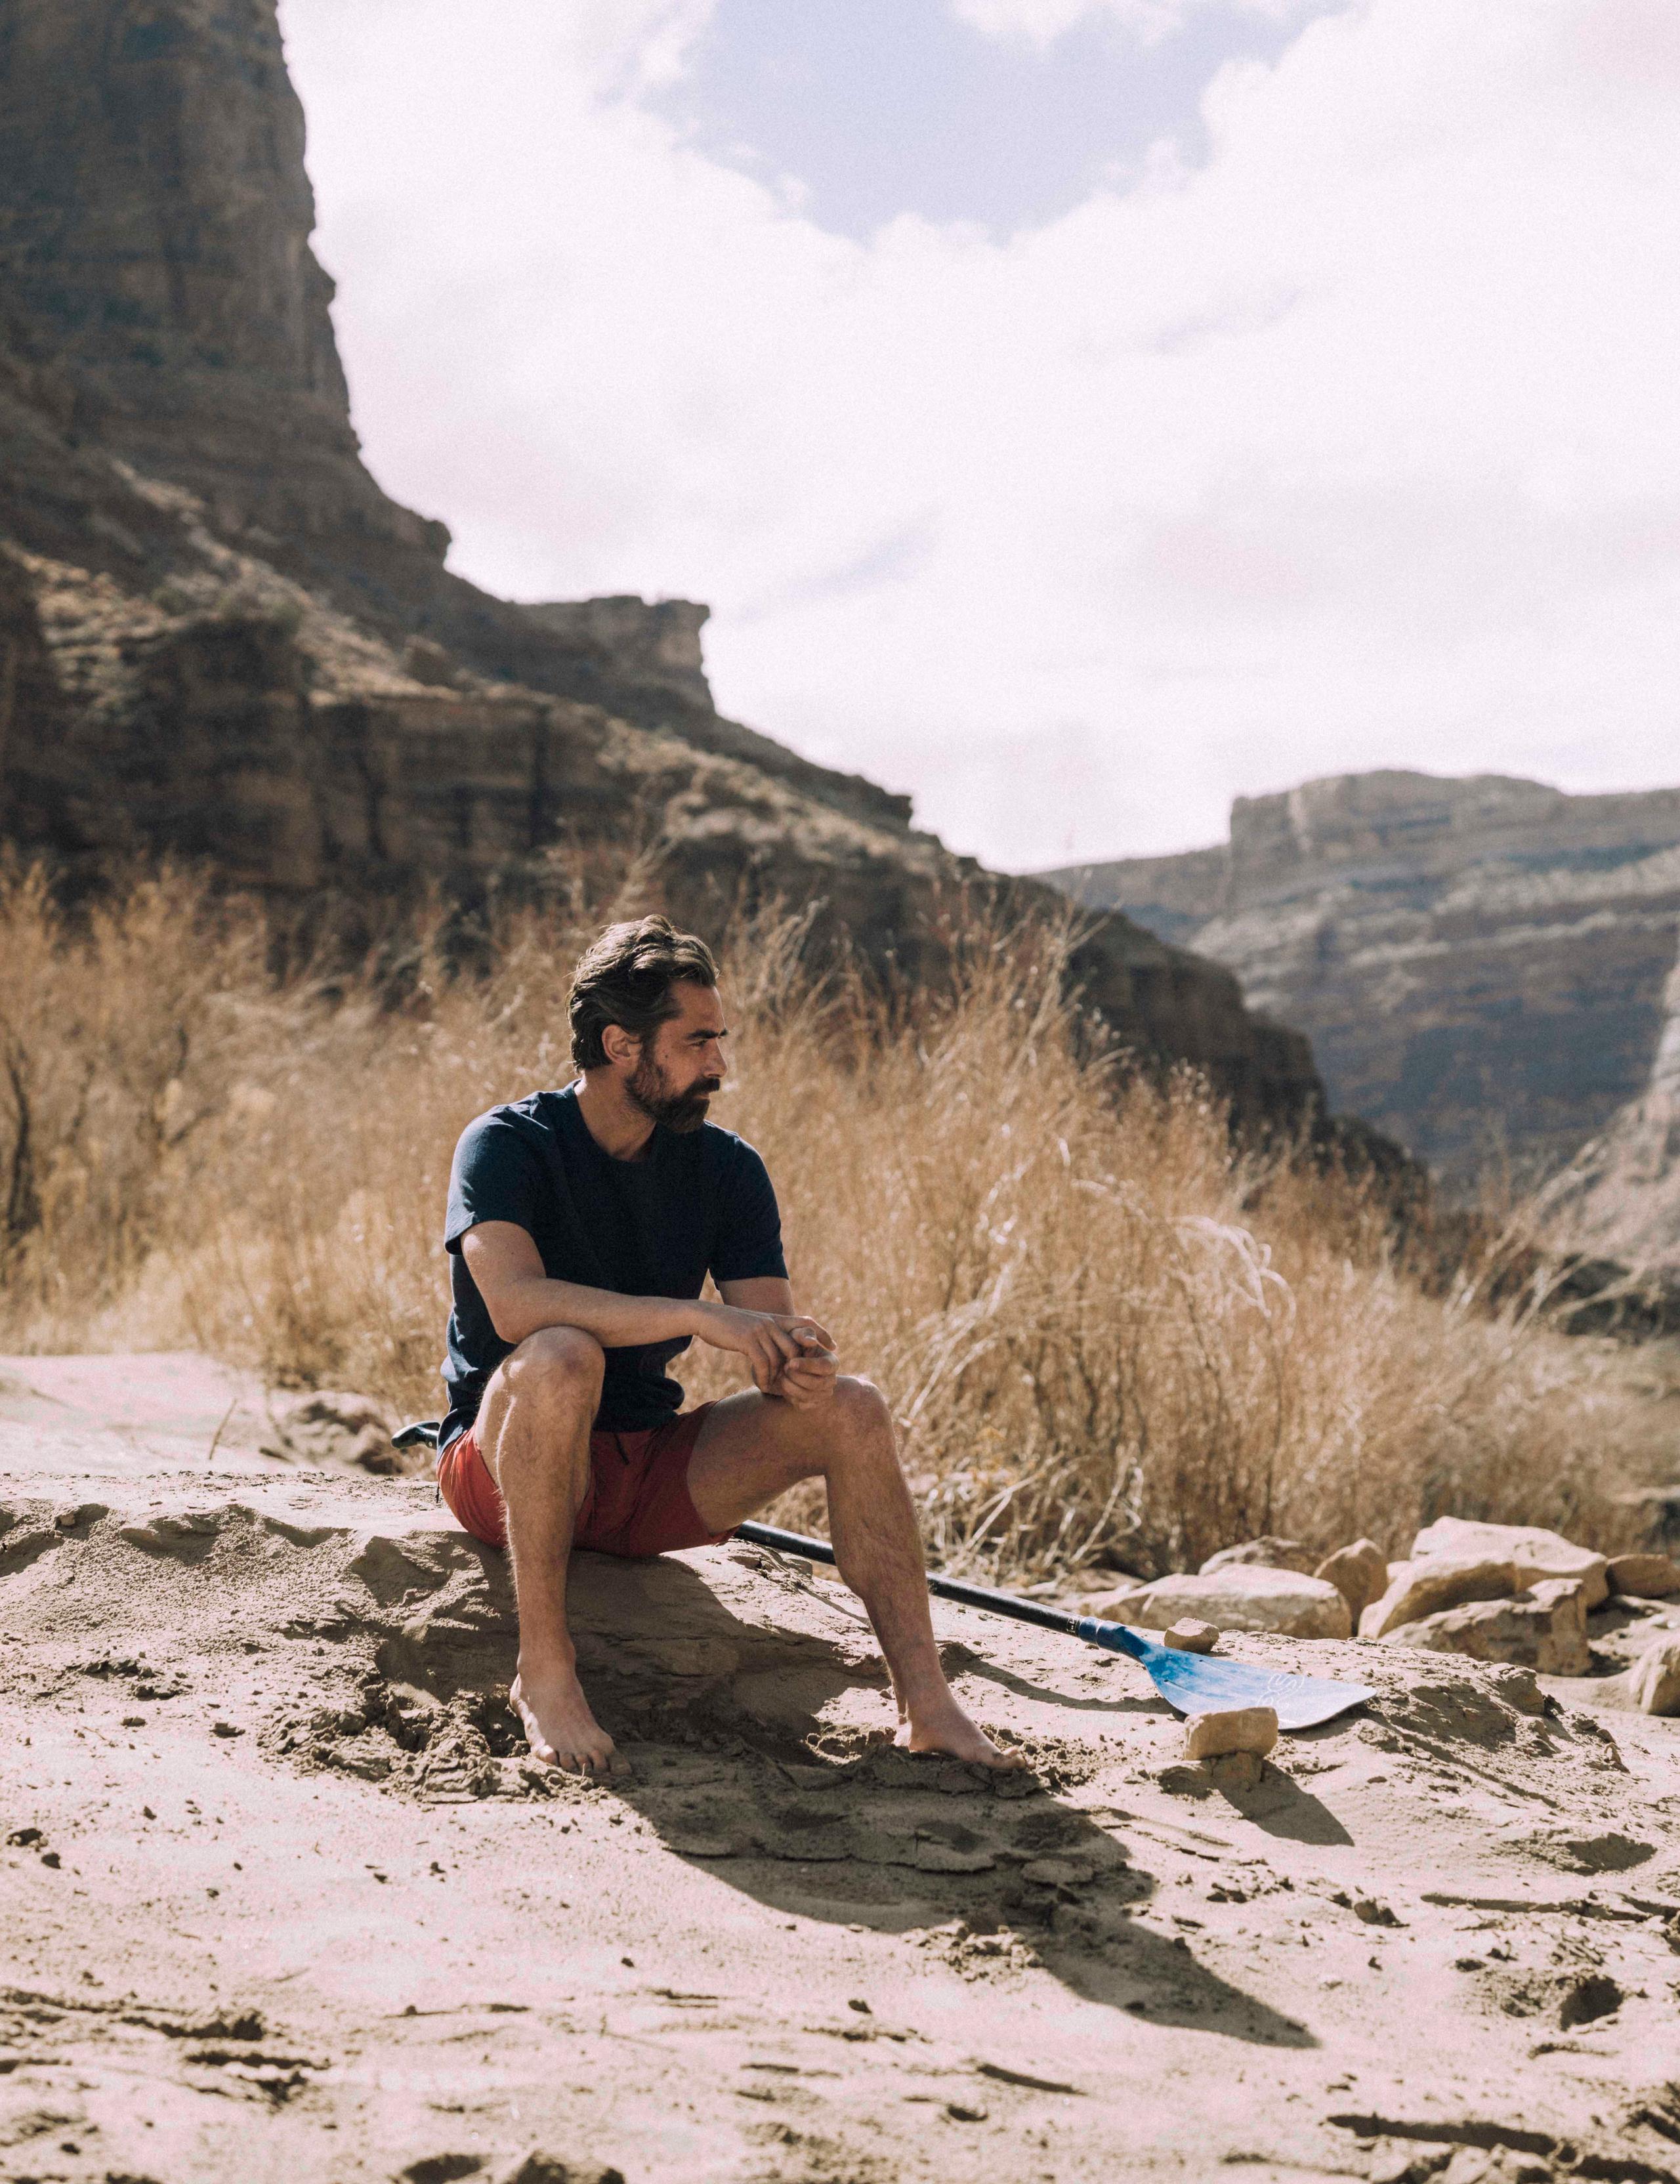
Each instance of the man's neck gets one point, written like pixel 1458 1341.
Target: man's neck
pixel 617 1125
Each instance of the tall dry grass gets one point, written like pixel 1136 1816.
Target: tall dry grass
pixel 1108 1337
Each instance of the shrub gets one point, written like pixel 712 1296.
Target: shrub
pixel 1109 1336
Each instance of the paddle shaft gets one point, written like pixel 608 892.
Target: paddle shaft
pixel 942 1588
pixel 424 1435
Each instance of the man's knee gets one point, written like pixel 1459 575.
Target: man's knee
pixel 862 1408
pixel 557 1368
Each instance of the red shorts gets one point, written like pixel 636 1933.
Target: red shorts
pixel 636 1501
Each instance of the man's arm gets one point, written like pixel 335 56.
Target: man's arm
pixel 521 1300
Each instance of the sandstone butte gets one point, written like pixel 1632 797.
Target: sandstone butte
pixel 1462 953
pixel 219 640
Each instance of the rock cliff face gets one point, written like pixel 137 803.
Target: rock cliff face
pixel 1621 1193
pixel 219 638
pixel 1480 963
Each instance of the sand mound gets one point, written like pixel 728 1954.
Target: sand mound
pixel 283 1897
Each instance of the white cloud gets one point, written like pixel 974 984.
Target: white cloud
pixel 1354 446
pixel 1041 22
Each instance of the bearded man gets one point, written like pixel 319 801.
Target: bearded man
pixel 583 1225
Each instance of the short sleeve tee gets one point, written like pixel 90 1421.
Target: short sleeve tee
pixel 699 1202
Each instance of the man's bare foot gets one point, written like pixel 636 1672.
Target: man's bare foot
pixel 947 1728
pixel 562 1730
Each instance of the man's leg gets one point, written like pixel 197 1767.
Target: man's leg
pixel 533 1428
pixel 753 1447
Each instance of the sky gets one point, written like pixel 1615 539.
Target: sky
pixel 1076 412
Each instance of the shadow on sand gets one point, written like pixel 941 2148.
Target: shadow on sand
pixel 737 1763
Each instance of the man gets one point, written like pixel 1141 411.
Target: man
pixel 581 1227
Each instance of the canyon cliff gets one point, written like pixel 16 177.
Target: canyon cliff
pixel 220 640
pixel 1481 964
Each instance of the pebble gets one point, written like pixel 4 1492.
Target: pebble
pixel 1188 1636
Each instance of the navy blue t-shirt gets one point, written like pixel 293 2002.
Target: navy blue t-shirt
pixel 699 1202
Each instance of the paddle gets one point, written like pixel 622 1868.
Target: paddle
pixel 1194 1683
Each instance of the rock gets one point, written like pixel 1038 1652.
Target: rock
pixel 1243 1597
pixel 1189 1636
pixel 1644 1577
pixel 1265 1554
pixel 1535 1552
pixel 1235 1772
pixel 1111 1607
pixel 1232 1729
pixel 1517 1688
pixel 1544 1629
pixel 1621 1193
pixel 1653 1679
pixel 1359 1573
pixel 1500 910
pixel 175 420
pixel 1427 1587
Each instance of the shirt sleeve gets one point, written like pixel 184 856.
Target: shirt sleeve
pixel 495 1176
pixel 749 1238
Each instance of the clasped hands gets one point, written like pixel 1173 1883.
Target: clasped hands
pixel 789 1354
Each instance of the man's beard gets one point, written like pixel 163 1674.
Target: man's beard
pixel 649 1089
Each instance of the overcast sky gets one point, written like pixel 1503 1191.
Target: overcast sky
pixel 1075 412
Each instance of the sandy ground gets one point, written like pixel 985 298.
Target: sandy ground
pixel 280 1899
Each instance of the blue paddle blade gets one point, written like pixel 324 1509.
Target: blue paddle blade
pixel 1206 1683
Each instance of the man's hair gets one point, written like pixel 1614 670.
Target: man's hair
pixel 625 976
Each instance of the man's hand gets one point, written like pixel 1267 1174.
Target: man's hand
pixel 774 1344
pixel 808 1379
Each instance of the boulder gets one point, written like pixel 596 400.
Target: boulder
pixel 1544 1627
pixel 1536 1554
pixel 1264 1554
pixel 1189 1636
pixel 1231 1729
pixel 1359 1573
pixel 1654 1678
pixel 1644 1577
pixel 1438 1582
pixel 1243 1597
pixel 1110 1606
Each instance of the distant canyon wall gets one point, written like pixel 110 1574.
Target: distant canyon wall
pixel 1481 964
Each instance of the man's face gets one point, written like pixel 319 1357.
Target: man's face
pixel 682 1065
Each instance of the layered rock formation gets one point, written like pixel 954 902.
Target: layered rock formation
pixel 219 637
pixel 1621 1193
pixel 1480 963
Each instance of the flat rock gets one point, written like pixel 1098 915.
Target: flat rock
pixel 1268 1553
pixel 1543 1629
pixel 1359 1573
pixel 1654 1678
pixel 1432 1584
pixel 1537 1554
pixel 1188 1636
pixel 1232 1729
pixel 1243 1597
pixel 1644 1577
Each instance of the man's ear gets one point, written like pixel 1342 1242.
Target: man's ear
pixel 620 1046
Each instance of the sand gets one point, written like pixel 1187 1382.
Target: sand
pixel 280 1899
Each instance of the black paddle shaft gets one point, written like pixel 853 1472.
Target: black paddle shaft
pixel 942 1588
pixel 424 1435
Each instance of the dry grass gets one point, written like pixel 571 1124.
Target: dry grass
pixel 1107 1338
